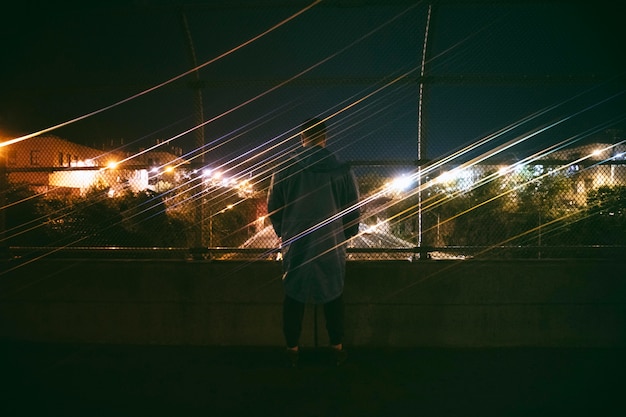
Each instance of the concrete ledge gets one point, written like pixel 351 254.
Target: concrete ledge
pixel 472 303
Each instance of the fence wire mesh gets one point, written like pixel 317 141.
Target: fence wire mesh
pixel 466 142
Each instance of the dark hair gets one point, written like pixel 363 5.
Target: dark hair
pixel 314 130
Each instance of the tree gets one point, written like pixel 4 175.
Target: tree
pixel 23 224
pixel 543 205
pixel 479 214
pixel 604 220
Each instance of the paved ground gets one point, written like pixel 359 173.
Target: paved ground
pixel 105 380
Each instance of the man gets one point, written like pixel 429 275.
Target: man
pixel 312 207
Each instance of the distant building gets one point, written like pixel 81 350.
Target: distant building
pixel 590 165
pixel 51 151
pixel 49 164
pixel 159 155
pixel 595 164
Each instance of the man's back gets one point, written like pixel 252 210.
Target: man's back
pixel 307 205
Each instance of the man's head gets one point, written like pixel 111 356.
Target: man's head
pixel 313 133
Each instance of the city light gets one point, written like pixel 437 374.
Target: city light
pixel 402 183
pixel 446 177
pixel 370 229
pixel 503 170
pixel 83 163
pixel 244 187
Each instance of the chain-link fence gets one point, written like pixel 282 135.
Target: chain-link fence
pixel 448 212
pixel 465 141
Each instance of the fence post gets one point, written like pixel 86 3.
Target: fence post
pixel 421 129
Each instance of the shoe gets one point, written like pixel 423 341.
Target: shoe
pixel 292 357
pixel 340 356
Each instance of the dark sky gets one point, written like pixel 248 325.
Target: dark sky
pixel 491 65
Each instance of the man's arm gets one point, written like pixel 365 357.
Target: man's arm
pixel 274 206
pixel 351 218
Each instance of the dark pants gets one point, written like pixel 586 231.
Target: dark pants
pixel 293 313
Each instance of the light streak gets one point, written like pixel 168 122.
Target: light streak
pixel 477 160
pixel 289 138
pixel 452 157
pixel 287 81
pixel 158 86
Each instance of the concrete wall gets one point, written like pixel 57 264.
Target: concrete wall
pixel 388 304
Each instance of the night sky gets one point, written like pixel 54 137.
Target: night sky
pixel 492 65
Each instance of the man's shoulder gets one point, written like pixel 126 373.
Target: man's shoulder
pixel 343 167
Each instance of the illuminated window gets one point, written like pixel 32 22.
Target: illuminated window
pixel 34 157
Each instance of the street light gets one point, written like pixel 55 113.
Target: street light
pixel 398 185
pixel 401 183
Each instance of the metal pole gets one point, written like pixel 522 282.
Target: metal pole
pixel 197 86
pixel 315 326
pixel 421 146
pixel 4 188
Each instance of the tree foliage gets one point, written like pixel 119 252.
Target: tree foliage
pixel 604 220
pixel 529 207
